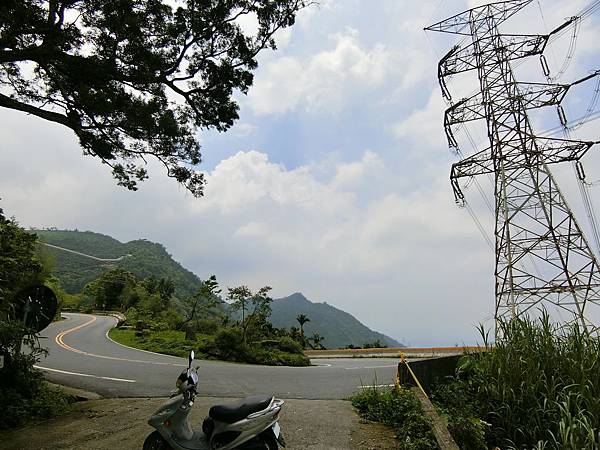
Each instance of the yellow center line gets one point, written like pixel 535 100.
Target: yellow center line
pixel 59 339
pixel 60 336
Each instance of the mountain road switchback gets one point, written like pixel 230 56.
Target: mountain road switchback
pixel 82 355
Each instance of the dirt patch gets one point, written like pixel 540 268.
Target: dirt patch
pixel 367 435
pixel 120 424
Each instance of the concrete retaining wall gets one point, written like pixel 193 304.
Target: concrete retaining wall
pixel 428 371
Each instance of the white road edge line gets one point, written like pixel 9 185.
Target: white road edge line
pixel 370 367
pixel 139 349
pixel 376 386
pixel 95 317
pixel 84 374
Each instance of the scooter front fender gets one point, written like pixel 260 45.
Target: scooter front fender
pixel 171 421
pixel 165 411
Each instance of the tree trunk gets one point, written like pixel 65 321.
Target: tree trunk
pixel 190 332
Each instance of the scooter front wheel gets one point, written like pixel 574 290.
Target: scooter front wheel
pixel 271 444
pixel 263 442
pixel 268 442
pixel 155 441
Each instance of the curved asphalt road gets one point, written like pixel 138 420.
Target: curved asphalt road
pixel 81 355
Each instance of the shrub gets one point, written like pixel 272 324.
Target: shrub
pixel 226 345
pixel 41 402
pixel 25 395
pixel 274 357
pixel 228 342
pixel 287 344
pixel 400 409
pixel 207 326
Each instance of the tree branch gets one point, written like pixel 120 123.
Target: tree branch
pixel 11 103
pixel 12 56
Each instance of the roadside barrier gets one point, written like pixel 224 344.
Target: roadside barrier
pixel 424 373
pixel 420 351
pixel 404 361
pixel 438 427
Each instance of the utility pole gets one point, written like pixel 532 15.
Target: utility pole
pixel 543 260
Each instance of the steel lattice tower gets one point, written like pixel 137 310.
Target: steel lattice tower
pixel 534 226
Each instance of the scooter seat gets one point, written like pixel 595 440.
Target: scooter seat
pixel 234 411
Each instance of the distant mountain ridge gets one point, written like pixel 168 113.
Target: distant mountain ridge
pixel 338 327
pixel 144 258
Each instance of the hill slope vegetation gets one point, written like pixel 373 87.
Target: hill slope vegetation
pixel 140 257
pixel 144 258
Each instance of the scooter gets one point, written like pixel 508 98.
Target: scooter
pixel 249 424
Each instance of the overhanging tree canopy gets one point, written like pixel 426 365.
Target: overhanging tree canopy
pixel 135 78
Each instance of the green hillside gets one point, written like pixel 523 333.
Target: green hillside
pixel 144 258
pixel 140 257
pixel 337 327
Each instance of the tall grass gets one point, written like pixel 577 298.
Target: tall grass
pixel 537 387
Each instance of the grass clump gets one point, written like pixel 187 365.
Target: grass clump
pixel 400 409
pixel 538 387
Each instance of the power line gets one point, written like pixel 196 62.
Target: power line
pixel 587 203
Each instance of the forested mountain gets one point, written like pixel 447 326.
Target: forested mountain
pixel 141 257
pixel 144 258
pixel 337 327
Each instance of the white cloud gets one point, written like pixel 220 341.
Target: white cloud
pixel 424 125
pixel 280 89
pixel 326 80
pixel 248 178
pixel 242 129
pixel 352 173
pixel 248 23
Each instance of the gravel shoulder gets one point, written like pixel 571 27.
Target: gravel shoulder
pixel 110 424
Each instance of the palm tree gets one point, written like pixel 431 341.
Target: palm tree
pixel 295 333
pixel 316 341
pixel 302 319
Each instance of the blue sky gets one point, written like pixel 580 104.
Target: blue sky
pixel 334 182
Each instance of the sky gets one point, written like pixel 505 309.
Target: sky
pixel 333 183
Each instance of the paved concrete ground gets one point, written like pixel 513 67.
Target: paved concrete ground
pixel 120 424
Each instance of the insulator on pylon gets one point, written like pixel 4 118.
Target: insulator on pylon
pixel 452 143
pixel 442 73
pixel 442 80
pixel 459 197
pixel 445 92
pixel 562 116
pixel 545 67
pixel 580 171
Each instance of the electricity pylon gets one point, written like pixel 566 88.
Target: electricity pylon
pixel 543 260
